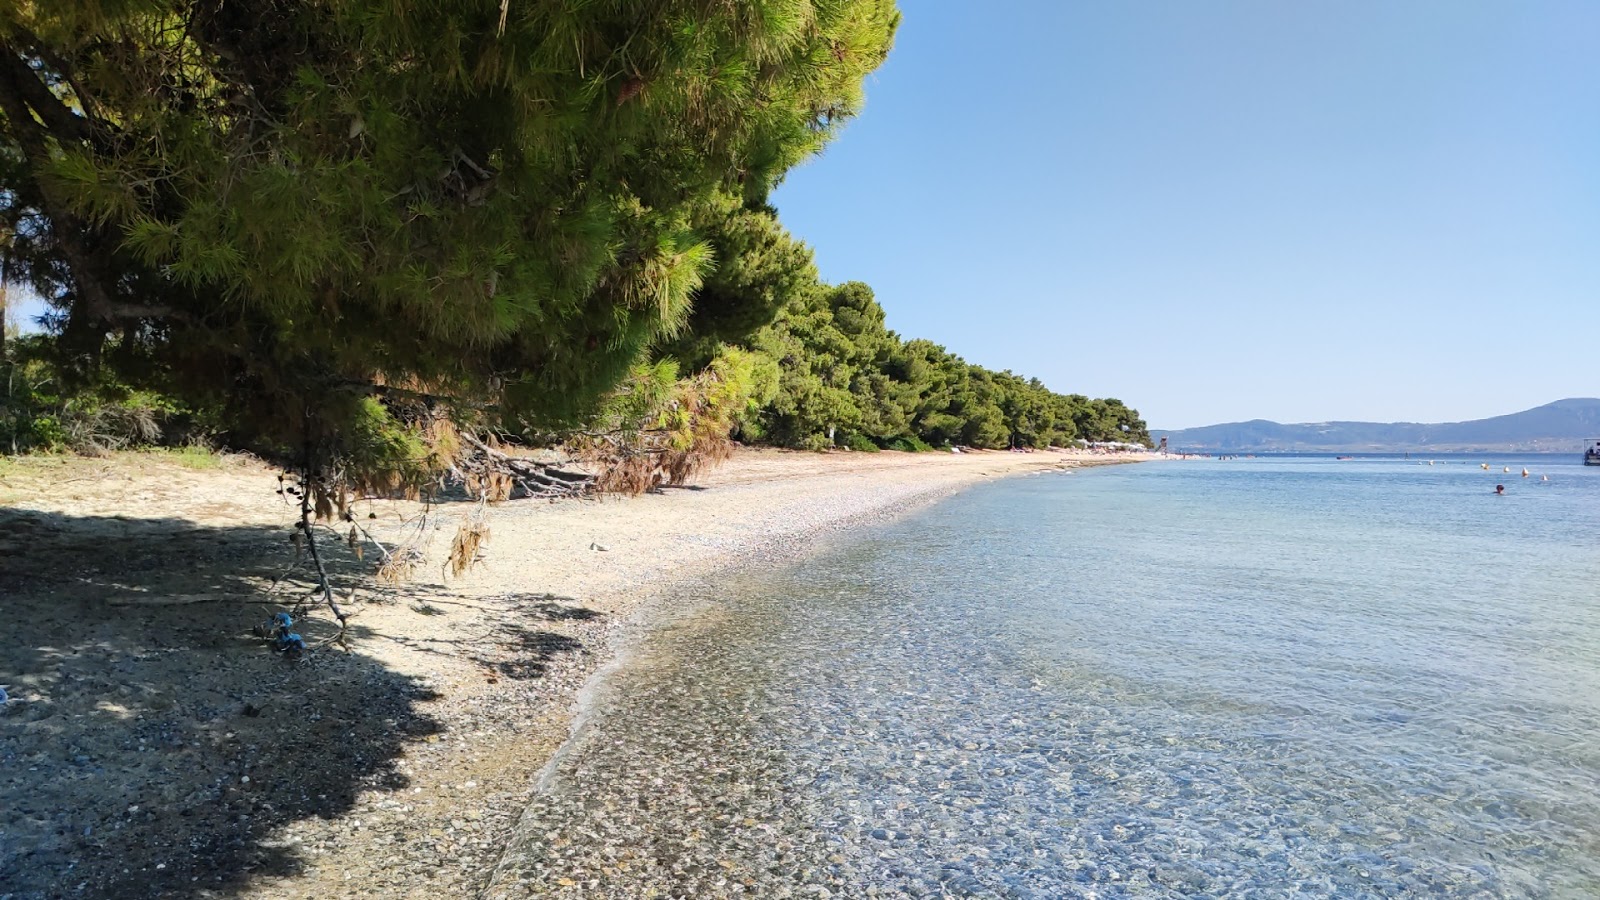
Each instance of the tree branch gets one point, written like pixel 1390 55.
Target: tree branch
pixel 54 60
pixel 307 527
pixel 64 124
pixel 68 229
pixel 546 480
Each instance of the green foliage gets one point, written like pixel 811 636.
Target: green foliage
pixel 200 459
pixel 42 409
pixel 341 233
pixel 760 270
pixel 382 453
pixel 862 443
pixel 286 210
pixel 846 380
pixel 910 444
pixel 657 428
pixel 30 404
pixel 819 343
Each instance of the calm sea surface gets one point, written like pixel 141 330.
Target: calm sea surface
pixel 1289 677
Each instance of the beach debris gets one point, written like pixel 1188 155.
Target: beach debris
pixel 399 566
pixel 280 631
pixel 602 548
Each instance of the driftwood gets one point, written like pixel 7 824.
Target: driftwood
pixel 494 474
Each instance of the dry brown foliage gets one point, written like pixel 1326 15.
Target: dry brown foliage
pixel 399 567
pixel 471 534
pixel 633 471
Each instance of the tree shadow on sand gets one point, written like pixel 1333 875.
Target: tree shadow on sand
pixel 154 749
pixel 509 648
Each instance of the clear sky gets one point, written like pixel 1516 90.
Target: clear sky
pixel 1218 211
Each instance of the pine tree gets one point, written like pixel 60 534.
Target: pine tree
pixel 334 219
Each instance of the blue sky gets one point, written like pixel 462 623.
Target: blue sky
pixel 1229 210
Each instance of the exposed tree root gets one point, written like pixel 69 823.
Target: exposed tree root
pixel 491 473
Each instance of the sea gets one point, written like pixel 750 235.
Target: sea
pixel 1271 677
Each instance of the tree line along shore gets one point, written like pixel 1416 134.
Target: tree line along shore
pixel 409 250
pixel 376 243
pixel 413 258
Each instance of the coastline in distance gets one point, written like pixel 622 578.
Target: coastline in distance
pixel 1565 426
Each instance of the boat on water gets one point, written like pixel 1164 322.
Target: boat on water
pixel 1591 456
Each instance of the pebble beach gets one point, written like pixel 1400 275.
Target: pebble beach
pixel 156 747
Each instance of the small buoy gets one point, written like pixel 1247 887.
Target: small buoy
pixel 1485 467
pixel 1507 468
pixel 1544 477
pixel 1524 473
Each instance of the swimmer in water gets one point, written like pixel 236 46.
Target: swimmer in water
pixel 1500 489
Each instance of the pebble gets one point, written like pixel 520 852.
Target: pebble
pixel 830 733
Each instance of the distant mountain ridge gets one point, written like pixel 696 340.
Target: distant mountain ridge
pixel 1559 427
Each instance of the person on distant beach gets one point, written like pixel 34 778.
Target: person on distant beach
pixel 1500 489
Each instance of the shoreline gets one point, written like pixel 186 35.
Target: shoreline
pixel 480 676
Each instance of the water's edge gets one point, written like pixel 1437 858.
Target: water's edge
pixel 1341 680
pixel 685 596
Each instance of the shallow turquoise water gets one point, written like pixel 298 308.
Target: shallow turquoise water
pixel 1241 678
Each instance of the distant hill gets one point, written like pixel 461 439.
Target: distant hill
pixel 1559 427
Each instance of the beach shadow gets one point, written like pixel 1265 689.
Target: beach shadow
pixel 153 745
pixel 509 648
pixel 530 651
pixel 548 607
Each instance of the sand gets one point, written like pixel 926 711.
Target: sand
pixel 154 746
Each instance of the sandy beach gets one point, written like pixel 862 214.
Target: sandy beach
pixel 155 746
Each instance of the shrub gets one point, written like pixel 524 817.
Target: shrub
pixel 40 413
pixel 910 444
pixel 29 407
pixel 861 442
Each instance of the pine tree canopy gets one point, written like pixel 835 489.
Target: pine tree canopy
pixel 301 211
pixel 843 379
